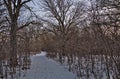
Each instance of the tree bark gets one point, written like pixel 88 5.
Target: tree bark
pixel 13 43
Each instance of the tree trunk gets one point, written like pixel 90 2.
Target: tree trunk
pixel 13 44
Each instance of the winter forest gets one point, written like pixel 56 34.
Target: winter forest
pixel 82 36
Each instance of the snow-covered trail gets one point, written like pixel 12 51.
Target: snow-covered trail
pixel 44 68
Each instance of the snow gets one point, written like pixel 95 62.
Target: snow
pixel 44 68
pixel 41 54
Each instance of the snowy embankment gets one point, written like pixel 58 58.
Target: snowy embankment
pixel 44 68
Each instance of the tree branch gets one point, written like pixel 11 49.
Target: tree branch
pixel 28 23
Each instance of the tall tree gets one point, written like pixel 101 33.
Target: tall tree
pixel 62 16
pixel 14 8
pixel 106 16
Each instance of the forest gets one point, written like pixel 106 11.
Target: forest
pixel 83 35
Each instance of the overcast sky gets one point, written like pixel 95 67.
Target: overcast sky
pixel 37 9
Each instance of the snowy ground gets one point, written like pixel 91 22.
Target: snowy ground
pixel 44 68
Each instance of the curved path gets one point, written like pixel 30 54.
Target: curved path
pixel 44 68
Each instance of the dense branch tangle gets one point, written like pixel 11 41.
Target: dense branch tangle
pixel 62 13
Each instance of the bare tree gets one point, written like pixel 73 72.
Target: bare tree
pixel 14 8
pixel 106 21
pixel 62 17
